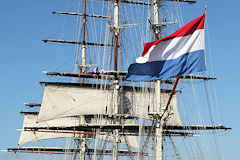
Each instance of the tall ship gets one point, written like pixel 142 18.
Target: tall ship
pixel 123 99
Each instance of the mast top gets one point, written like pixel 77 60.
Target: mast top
pixel 205 9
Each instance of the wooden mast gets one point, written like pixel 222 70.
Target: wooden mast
pixel 116 34
pixel 159 122
pixel 83 36
pixel 82 142
pixel 161 109
pixel 115 68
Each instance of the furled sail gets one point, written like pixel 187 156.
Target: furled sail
pixel 30 121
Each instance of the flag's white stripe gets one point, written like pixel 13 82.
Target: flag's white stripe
pixel 174 48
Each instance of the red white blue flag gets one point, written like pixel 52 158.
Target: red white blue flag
pixel 178 54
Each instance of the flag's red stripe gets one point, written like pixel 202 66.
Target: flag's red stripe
pixel 185 30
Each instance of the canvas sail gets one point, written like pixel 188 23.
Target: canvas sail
pixel 131 141
pixel 30 136
pixel 64 100
pixel 142 103
pixel 30 121
pixel 71 100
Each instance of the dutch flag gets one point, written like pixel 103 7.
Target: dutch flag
pixel 178 54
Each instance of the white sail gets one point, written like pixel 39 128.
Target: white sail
pixel 144 103
pixel 66 100
pixel 172 116
pixel 131 141
pixel 30 136
pixel 30 121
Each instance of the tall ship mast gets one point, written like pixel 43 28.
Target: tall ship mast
pixel 111 107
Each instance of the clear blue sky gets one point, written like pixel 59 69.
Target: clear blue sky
pixel 23 58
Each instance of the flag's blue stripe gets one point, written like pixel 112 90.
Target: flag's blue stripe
pixel 161 70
